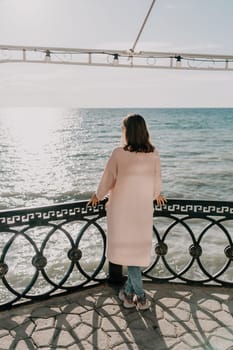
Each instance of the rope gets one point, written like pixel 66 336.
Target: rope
pixel 143 25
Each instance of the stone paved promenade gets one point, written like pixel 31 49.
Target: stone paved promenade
pixel 181 318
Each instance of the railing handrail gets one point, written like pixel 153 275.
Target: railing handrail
pixel 198 208
pixel 22 216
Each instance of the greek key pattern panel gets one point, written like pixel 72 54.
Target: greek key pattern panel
pixel 72 211
pixel 79 210
pixel 195 208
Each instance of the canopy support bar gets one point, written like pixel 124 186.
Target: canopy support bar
pixel 143 25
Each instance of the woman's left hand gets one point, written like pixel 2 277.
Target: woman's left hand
pixel 93 201
pixel 161 200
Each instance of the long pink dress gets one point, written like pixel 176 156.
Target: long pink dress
pixel 133 180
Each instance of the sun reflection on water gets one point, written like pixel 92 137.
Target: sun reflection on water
pixel 36 149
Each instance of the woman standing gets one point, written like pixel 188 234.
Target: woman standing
pixel 132 177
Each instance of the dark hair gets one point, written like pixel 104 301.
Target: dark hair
pixel 136 134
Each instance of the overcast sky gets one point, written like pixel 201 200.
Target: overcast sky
pixel 199 26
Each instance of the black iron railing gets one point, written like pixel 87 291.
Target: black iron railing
pixel 194 243
pixel 58 248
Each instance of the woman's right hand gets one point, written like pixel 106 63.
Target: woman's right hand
pixel 93 201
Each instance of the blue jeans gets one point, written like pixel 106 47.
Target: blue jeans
pixel 134 283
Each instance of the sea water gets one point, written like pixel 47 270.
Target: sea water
pixel 53 155
pixel 57 155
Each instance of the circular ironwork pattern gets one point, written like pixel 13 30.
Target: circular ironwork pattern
pixel 43 262
pixel 195 251
pixel 77 256
pixel 3 269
